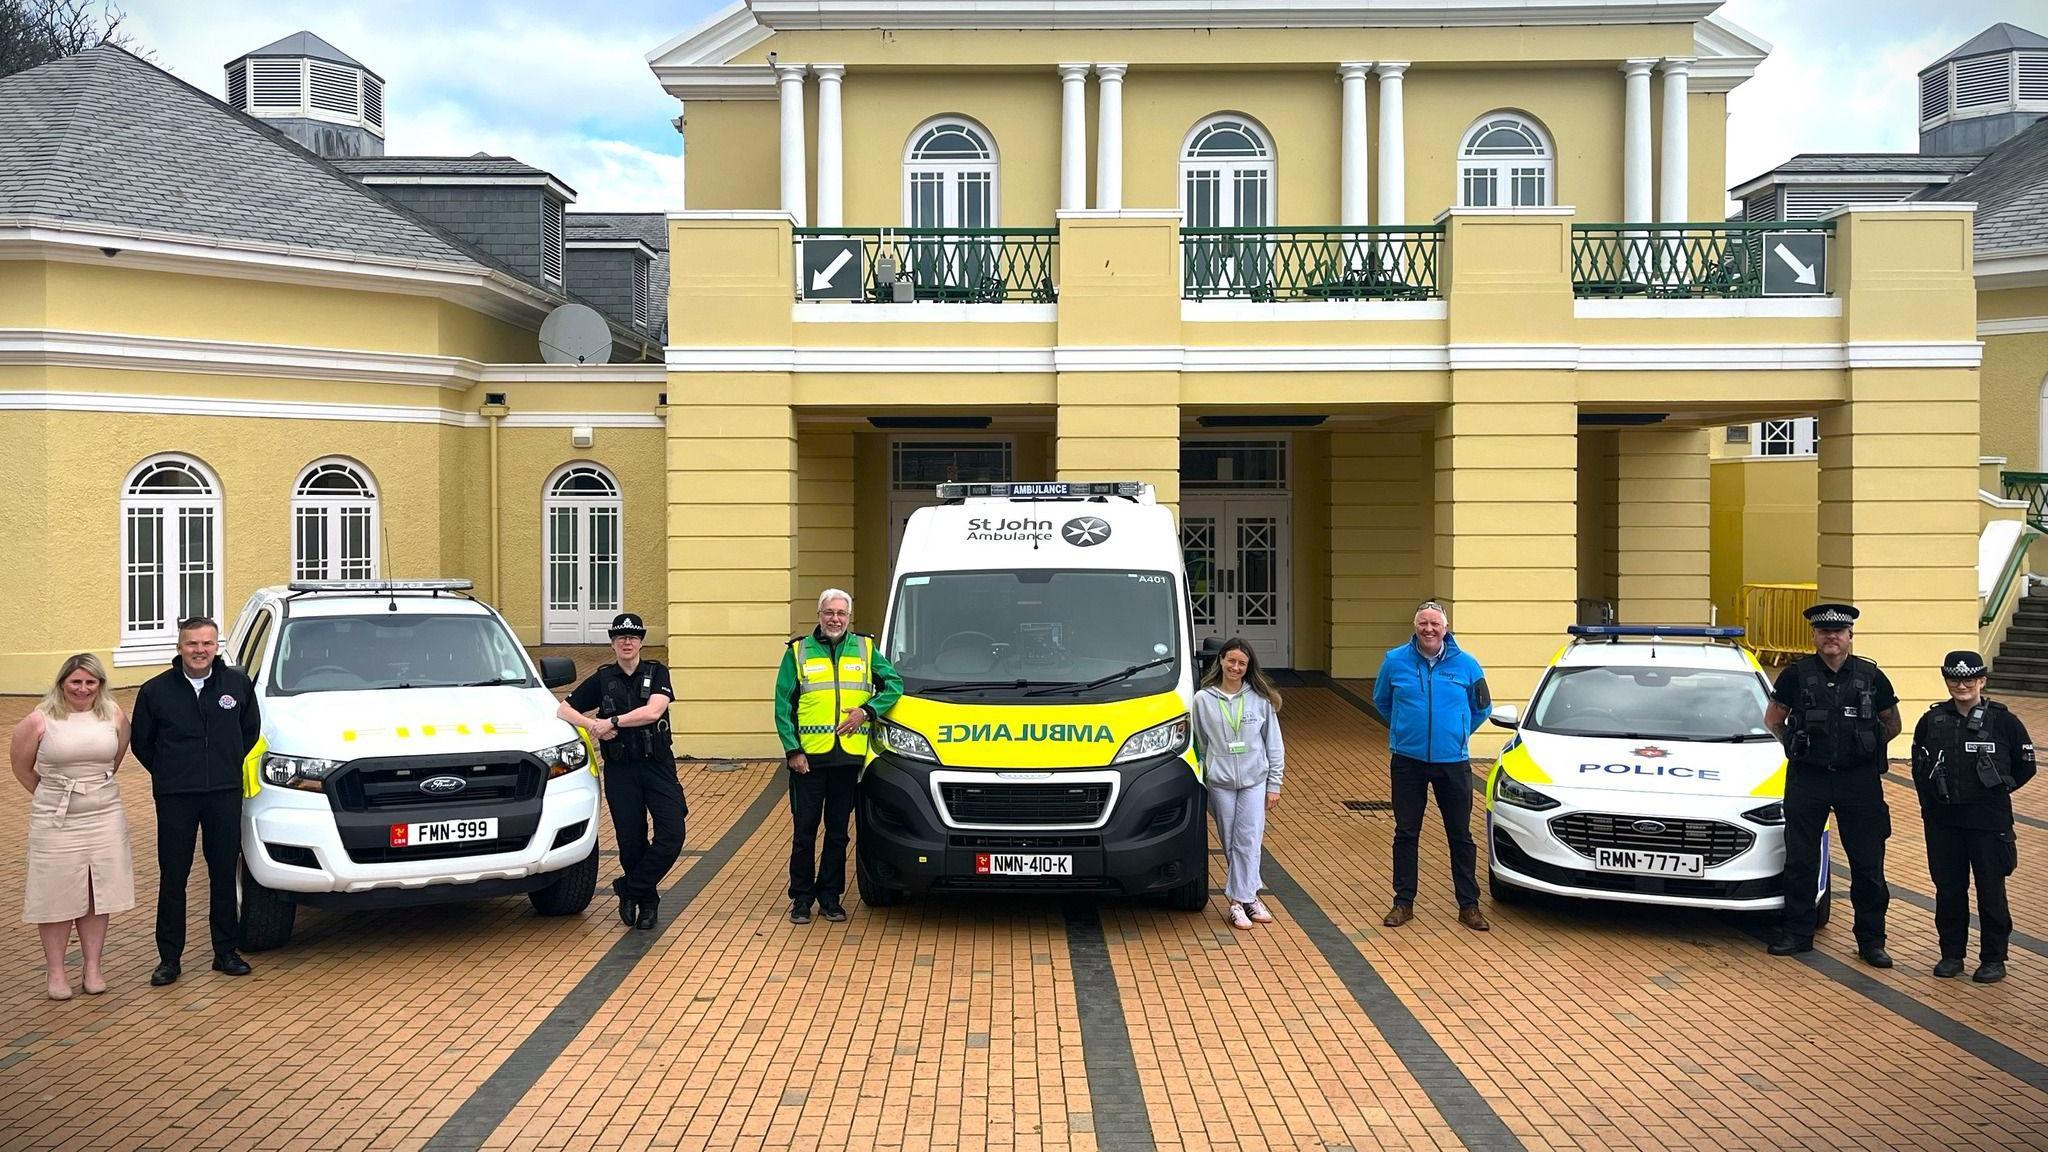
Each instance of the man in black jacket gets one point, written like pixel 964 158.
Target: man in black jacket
pixel 194 724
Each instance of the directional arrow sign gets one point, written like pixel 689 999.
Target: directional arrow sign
pixel 833 269
pixel 1795 263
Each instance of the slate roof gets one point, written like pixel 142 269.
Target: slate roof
pixel 650 227
pixel 304 44
pixel 1874 164
pixel 476 165
pixel 1999 37
pixel 2010 189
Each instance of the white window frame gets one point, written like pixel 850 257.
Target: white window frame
pixel 156 644
pixel 334 509
pixel 952 172
pixel 1228 169
pixel 1502 171
pixel 1790 436
pixel 592 628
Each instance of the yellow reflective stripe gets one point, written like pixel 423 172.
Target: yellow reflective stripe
pixel 1773 785
pixel 590 751
pixel 1517 763
pixel 252 768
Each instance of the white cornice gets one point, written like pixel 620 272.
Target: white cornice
pixel 718 82
pixel 1776 307
pixel 1320 358
pixel 640 246
pixel 431 180
pixel 1724 55
pixel 2012 326
pixel 1308 311
pixel 2015 268
pixel 782 15
pixel 119 351
pixel 723 35
pixel 122 403
pixel 572 374
pixel 922 312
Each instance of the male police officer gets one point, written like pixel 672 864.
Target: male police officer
pixel 1969 756
pixel 625 706
pixel 831 688
pixel 1835 713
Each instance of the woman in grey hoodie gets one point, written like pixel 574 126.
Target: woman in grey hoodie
pixel 1237 738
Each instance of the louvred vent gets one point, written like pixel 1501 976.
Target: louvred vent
pixel 642 308
pixel 334 89
pixel 277 83
pixel 373 101
pixel 2034 77
pixel 238 84
pixel 1934 94
pixel 551 243
pixel 1811 203
pixel 1983 81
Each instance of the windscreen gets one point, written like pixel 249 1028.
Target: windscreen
pixel 1652 703
pixel 358 653
pixel 1052 635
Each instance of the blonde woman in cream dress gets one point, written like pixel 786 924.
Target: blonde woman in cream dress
pixel 79 868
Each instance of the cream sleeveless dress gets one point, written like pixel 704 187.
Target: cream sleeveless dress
pixel 77 829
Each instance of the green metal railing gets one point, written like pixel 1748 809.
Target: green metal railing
pixel 1312 263
pixel 960 265
pixel 1994 604
pixel 1678 261
pixel 2031 487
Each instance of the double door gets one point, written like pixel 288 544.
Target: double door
pixel 583 576
pixel 1239 576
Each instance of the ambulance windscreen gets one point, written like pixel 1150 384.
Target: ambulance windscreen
pixel 1648 703
pixel 1003 634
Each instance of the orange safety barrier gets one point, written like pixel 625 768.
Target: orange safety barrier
pixel 1773 620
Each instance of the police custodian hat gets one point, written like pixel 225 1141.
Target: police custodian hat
pixel 1831 615
pixel 1961 665
pixel 627 624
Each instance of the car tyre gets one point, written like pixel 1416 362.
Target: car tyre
pixel 267 915
pixel 1502 892
pixel 571 890
pixel 873 893
pixel 1192 896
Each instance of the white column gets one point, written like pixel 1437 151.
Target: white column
pixel 1671 181
pixel 1393 145
pixel 831 148
pixel 1073 136
pixel 789 80
pixel 1109 136
pixel 1635 162
pixel 1351 188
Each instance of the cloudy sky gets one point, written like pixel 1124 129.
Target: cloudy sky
pixel 566 87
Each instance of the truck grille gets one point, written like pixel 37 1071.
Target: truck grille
pixel 1025 805
pixel 394 783
pixel 1719 843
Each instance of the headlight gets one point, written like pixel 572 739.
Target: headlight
pixel 1509 790
pixel 1165 739
pixel 903 742
pixel 307 773
pixel 563 759
pixel 1772 813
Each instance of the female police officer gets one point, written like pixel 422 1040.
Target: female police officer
pixel 1969 756
pixel 625 705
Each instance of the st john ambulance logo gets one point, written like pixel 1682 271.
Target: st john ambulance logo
pixel 1085 531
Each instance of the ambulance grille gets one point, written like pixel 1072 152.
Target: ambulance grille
pixel 1719 843
pixel 1025 804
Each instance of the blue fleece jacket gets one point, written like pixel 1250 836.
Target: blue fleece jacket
pixel 1432 710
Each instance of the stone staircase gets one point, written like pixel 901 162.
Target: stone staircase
pixel 2021 663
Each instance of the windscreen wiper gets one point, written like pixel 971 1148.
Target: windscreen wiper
pixel 1740 738
pixel 493 682
pixel 1112 678
pixel 977 686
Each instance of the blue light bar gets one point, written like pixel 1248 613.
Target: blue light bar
pixel 1042 490
pixel 1617 631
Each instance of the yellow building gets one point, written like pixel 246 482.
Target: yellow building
pixel 1389 300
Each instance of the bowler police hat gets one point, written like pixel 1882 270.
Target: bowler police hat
pixel 627 624
pixel 1960 665
pixel 1831 615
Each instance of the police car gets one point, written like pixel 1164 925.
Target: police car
pixel 1642 772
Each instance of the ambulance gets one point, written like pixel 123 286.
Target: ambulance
pixel 1641 771
pixel 410 754
pixel 1043 742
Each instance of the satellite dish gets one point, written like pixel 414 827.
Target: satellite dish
pixel 575 334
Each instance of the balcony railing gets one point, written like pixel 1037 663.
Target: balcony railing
pixel 956 265
pixel 2031 487
pixel 1312 263
pixel 1679 261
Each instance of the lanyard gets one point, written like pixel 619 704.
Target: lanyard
pixel 1234 721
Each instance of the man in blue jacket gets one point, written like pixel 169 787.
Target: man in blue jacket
pixel 1434 698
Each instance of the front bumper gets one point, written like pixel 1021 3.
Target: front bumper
pixel 1526 851
pixel 1153 838
pixel 293 842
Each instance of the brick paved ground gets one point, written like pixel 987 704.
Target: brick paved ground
pixel 1036 1024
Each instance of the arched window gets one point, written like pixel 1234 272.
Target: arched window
pixel 1226 175
pixel 334 522
pixel 581 530
pixel 1506 162
pixel 170 548
pixel 949 176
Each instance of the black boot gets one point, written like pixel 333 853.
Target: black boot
pixel 230 963
pixel 629 912
pixel 799 911
pixel 1949 968
pixel 1989 972
pixel 650 911
pixel 1789 945
pixel 1875 956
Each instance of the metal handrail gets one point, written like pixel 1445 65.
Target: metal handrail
pixel 1706 260
pixel 962 265
pixel 2031 487
pixel 1311 262
pixel 1995 603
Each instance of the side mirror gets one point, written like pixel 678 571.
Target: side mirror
pixel 1506 716
pixel 1210 649
pixel 556 671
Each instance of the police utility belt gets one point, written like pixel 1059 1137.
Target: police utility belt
pixel 1963 760
pixel 1829 730
pixel 622 694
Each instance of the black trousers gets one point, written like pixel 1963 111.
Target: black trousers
pixel 1864 822
pixel 1953 855
pixel 182 817
pixel 826 792
pixel 1413 781
pixel 640 793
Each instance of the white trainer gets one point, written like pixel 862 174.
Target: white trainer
pixel 1238 919
pixel 1258 913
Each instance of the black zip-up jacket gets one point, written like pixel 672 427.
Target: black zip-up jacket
pixel 195 743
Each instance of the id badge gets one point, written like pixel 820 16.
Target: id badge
pixel 1237 747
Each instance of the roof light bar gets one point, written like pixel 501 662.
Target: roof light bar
pixel 1618 631
pixel 1044 489
pixel 380 585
